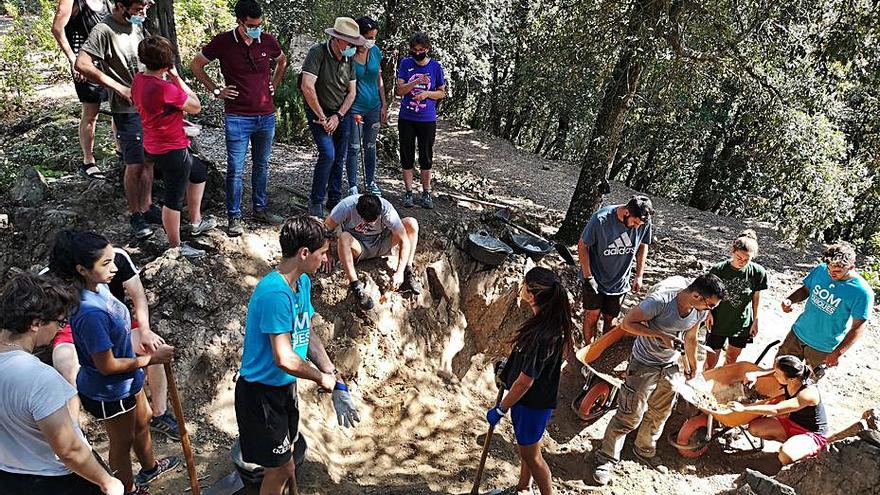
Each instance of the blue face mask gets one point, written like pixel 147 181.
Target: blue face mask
pixel 137 20
pixel 349 52
pixel 254 32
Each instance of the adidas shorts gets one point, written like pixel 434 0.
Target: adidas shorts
pixel 610 305
pixel 268 422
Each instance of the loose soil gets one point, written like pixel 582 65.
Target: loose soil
pixel 419 366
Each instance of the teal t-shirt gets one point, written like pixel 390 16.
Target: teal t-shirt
pixel 274 308
pixel 830 307
pixel 733 316
pixel 367 97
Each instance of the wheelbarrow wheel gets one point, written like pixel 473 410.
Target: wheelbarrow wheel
pixel 691 440
pixel 592 400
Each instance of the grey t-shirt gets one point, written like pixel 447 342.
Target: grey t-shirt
pixel 116 46
pixel 30 391
pixel 612 248
pixel 662 310
pixel 345 214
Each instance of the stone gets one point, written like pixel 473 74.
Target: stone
pixel 29 188
pixel 443 280
pixel 4 221
pixel 761 484
pixel 849 466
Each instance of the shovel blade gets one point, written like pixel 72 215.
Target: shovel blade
pixel 227 485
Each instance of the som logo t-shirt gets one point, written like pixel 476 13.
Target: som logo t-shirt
pixel 613 249
pixel 831 306
pixel 274 308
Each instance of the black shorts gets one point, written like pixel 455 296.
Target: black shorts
pixel 268 422
pixel 102 410
pixel 29 484
pixel 740 341
pixel 410 132
pixel 178 168
pixel 610 305
pixel 89 92
pixel 130 133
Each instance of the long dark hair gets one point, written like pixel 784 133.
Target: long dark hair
pixel 550 328
pixel 794 367
pixel 73 248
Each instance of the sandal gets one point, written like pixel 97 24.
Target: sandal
pixel 91 171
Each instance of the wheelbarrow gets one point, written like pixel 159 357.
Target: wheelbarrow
pixel 599 394
pixel 711 393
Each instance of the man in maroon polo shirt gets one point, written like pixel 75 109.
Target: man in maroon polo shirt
pixel 245 54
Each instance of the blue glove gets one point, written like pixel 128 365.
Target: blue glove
pixel 494 415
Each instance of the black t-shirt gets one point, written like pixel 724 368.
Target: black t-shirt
pixel 125 272
pixel 543 369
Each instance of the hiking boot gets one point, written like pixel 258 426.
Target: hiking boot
pixel 409 278
pixel 264 216
pixel 427 201
pixel 235 227
pixel 360 295
pixel 166 425
pixel 316 210
pixel 153 215
pixel 139 227
pixel 408 199
pixel 188 251
pixel 602 473
pixel 162 466
pixel 374 189
pixel 204 225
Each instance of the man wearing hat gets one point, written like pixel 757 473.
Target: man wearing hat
pixel 615 239
pixel 246 54
pixel 328 85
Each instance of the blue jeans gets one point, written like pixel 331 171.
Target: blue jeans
pixel 332 148
pixel 370 128
pixel 258 130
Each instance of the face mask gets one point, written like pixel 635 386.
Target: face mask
pixel 349 52
pixel 254 32
pixel 137 20
pixel 370 44
pixel 418 56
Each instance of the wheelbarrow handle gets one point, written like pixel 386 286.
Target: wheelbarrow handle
pixel 766 350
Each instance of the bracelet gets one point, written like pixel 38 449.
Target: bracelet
pixel 338 116
pixel 340 386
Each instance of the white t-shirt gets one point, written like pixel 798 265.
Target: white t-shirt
pixel 29 392
pixel 345 214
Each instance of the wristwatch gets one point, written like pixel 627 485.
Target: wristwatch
pixel 216 92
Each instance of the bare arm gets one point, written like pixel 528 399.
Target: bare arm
pixel 307 86
pixel 641 260
pixel 62 17
pixel 330 223
pixel 690 347
pixel 198 67
pixel 292 364
pixel 804 399
pixel 437 94
pixel 349 98
pixel 855 332
pixel 192 104
pixel 108 364
pixel 399 236
pixel 280 67
pixel 519 388
pixel 143 338
pixel 58 430
pixel 584 258
pixel 85 64
pixel 318 355
pixel 634 324
pixel 404 87
pixel 799 295
pixel 382 90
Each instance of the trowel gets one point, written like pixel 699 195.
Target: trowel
pixel 226 485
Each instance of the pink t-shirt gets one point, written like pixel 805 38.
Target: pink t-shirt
pixel 160 104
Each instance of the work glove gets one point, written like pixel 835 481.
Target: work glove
pixel 589 286
pixel 346 412
pixel 499 370
pixel 494 415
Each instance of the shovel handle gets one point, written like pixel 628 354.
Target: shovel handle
pixel 476 488
pixel 184 436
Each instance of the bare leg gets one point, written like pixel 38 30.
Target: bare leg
pixel 412 232
pixel 712 359
pixel 132 180
pixel 408 179
pixel 732 354
pixel 171 224
pixel 274 479
pixel 591 324
pixel 158 389
pixel 426 180
pixel 87 122
pixel 143 442
pixel 348 249
pixel 768 429
pixel 607 323
pixel 120 431
pixel 67 364
pixel 194 194
pixel 146 187
pixel 531 456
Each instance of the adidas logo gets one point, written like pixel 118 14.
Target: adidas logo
pixel 621 246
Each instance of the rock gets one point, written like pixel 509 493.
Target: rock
pixel 662 469
pixel 761 484
pixel 4 221
pixel 849 466
pixel 442 280
pixel 30 188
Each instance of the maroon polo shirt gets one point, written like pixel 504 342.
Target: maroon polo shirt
pixel 248 68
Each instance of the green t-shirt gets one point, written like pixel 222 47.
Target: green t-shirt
pixel 333 75
pixel 734 315
pixel 116 46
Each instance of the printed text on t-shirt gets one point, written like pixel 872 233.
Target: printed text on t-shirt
pixel 824 299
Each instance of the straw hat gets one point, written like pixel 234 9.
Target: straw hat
pixel 345 28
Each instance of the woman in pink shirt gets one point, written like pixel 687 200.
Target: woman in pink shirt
pixel 161 98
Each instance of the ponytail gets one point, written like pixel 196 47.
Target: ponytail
pixel 795 367
pixel 550 328
pixel 73 248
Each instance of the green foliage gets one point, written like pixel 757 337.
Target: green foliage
pixel 197 21
pixel 27 51
pixel 291 125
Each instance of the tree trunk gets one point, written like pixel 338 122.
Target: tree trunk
pixel 616 101
pixel 163 23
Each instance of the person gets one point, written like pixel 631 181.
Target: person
pixel 328 85
pixel 126 286
pixel 665 323
pixel 799 421
pixel 161 97
pixel 531 373
pixel 371 228
pixel 837 297
pixel 246 54
pixel 42 449
pixel 421 83
pixel 615 238
pixel 735 320
pixel 114 43
pixel 279 350
pixel 73 21
pixel 110 379
pixel 370 104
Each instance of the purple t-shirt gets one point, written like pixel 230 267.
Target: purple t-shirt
pixel 426 110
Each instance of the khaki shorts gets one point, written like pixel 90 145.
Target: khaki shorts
pixel 792 345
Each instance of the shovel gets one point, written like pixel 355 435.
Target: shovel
pixel 503 214
pixel 476 488
pixel 227 485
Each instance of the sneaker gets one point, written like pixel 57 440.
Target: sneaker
pixel 235 227
pixel 427 201
pixel 408 199
pixel 352 191
pixel 139 227
pixel 162 466
pixel 204 225
pixel 363 299
pixel 153 215
pixel 646 457
pixel 166 425
pixel 316 210
pixel 602 473
pixel 374 189
pixel 410 279
pixel 188 251
pixel 264 216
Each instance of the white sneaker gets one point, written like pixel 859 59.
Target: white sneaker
pixel 190 252
pixel 204 225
